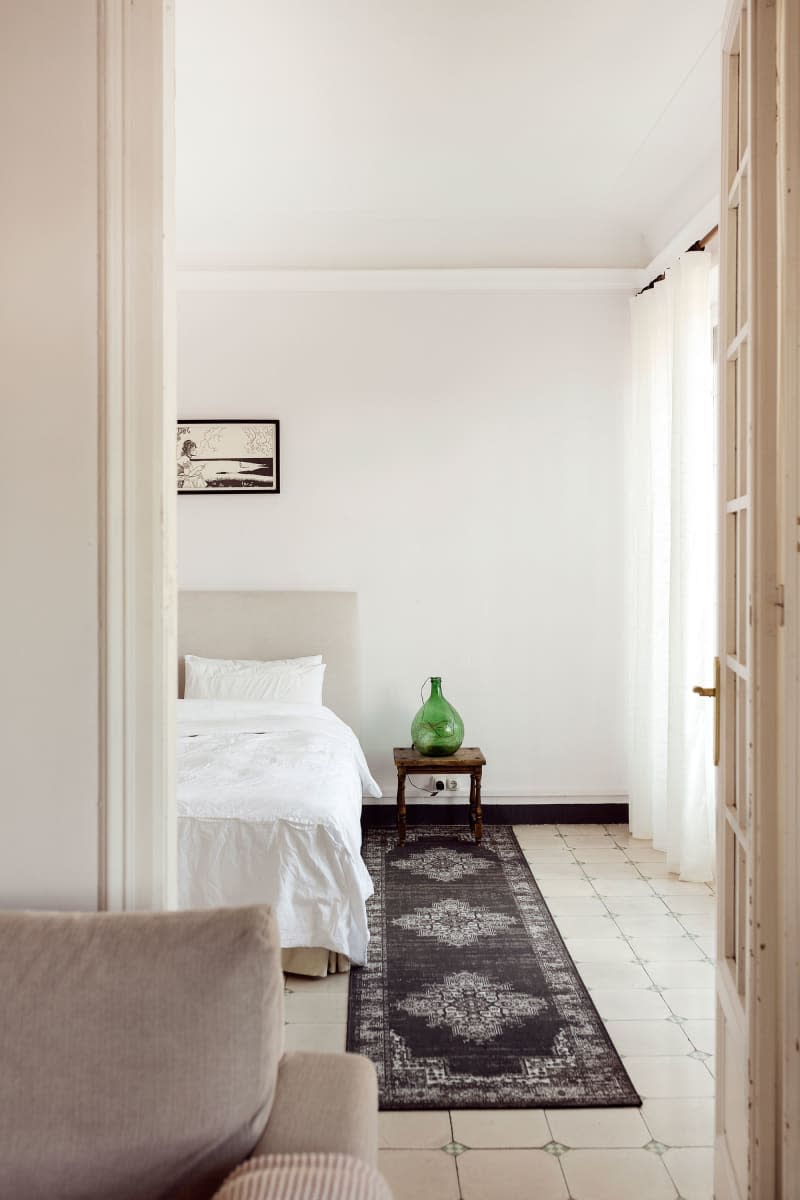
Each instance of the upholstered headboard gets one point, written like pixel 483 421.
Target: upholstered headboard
pixel 268 625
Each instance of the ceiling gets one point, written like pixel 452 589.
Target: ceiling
pixel 443 133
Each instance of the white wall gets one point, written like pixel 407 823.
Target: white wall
pixel 48 483
pixel 86 705
pixel 456 460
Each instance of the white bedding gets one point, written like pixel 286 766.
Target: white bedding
pixel 269 812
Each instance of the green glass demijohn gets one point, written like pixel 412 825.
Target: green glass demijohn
pixel 437 730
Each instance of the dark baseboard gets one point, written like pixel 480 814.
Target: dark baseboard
pixel 385 815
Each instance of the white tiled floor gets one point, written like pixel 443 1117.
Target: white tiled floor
pixel 643 942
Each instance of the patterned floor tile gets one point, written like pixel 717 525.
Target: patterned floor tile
pixel 617 1175
pixel 328 1038
pixel 420 1174
pixel 598 1127
pixel 501 1128
pixel 414 1130
pixel 691 1003
pixel 692 1171
pixel 605 976
pixel 633 1005
pixel 670 1077
pixel 607 950
pixel 511 1175
pixel 642 1039
pixel 686 1122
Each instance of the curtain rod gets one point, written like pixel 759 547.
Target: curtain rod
pixel 700 244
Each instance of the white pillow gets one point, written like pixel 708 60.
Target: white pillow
pixel 291 680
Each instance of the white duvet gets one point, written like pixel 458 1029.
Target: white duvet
pixel 269 812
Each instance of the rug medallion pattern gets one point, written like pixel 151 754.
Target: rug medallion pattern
pixel 470 998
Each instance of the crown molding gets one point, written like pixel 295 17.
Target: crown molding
pixel 622 280
pixel 698 227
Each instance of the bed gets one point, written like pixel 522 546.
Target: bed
pixel 269 793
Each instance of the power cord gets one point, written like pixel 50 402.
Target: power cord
pixel 424 790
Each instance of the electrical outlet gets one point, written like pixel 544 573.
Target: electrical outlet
pixel 451 784
pixel 437 783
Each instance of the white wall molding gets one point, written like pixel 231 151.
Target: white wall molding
pixel 479 279
pixel 136 471
pixel 702 221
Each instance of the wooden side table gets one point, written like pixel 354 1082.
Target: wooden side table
pixel 466 761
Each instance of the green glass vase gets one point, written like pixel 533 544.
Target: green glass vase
pixel 437 730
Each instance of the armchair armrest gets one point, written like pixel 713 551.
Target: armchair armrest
pixel 326 1103
pixel 300 1176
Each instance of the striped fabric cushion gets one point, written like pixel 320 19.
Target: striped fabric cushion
pixel 304 1177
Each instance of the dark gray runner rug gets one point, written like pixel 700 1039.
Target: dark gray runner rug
pixel 470 998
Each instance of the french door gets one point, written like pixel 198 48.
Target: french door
pixel 750 609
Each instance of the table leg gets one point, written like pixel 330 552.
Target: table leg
pixel 478 809
pixel 472 801
pixel 401 806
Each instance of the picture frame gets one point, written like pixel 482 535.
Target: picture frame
pixel 231 456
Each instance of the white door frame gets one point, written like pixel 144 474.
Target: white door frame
pixel 772 1013
pixel 789 440
pixel 764 935
pixel 746 1160
pixel 137 431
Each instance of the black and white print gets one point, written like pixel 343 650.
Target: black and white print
pixel 228 456
pixel 469 998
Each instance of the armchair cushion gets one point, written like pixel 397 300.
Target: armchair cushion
pixel 138 1051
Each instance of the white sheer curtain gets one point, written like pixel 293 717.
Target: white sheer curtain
pixel 671 619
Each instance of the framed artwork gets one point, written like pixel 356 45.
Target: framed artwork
pixel 228 456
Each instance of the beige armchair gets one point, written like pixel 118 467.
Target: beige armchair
pixel 141 1058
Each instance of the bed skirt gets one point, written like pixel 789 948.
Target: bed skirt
pixel 313 960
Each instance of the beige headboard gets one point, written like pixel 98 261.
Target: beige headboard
pixel 269 625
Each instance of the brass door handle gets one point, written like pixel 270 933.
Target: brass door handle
pixel 713 694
